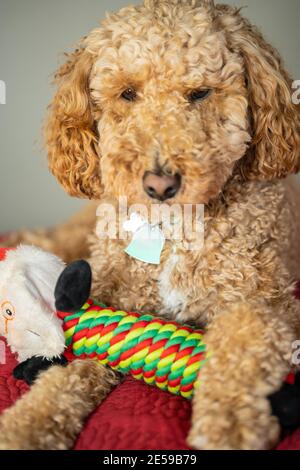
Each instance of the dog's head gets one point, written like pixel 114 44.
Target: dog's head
pixel 166 101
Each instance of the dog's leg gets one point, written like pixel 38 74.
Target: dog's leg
pixel 69 241
pixel 51 414
pixel 251 348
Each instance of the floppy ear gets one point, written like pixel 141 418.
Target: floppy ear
pixel 34 269
pixel 275 120
pixel 71 137
pixel 73 287
pixel 40 270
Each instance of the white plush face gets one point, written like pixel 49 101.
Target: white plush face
pixel 27 316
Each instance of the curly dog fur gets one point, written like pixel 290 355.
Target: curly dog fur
pixel 38 421
pixel 233 150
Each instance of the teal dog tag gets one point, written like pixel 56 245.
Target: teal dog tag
pixel 147 244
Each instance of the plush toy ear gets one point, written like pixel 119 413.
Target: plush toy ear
pixel 285 405
pixel 73 287
pixel 31 368
pixel 39 270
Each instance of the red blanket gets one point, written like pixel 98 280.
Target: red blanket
pixel 134 416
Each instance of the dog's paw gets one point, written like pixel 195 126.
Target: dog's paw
pixel 237 425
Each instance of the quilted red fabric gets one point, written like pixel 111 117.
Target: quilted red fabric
pixel 134 416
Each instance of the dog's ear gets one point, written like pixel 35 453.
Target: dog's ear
pixel 275 121
pixel 70 132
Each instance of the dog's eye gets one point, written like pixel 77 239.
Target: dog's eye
pixel 198 95
pixel 129 94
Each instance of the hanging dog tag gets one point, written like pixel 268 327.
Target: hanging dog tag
pixel 147 242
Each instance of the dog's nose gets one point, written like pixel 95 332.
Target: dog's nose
pixel 161 187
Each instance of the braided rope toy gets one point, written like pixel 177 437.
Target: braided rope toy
pixel 162 353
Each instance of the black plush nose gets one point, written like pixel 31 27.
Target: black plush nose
pixel 161 187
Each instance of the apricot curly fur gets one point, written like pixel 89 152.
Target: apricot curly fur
pixel 232 150
pixel 51 415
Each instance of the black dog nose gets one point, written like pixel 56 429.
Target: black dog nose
pixel 161 187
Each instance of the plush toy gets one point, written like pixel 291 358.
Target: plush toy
pixel 28 317
pixel 35 289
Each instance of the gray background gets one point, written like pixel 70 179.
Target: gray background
pixel 33 33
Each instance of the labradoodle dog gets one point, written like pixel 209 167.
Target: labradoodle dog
pixel 180 102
